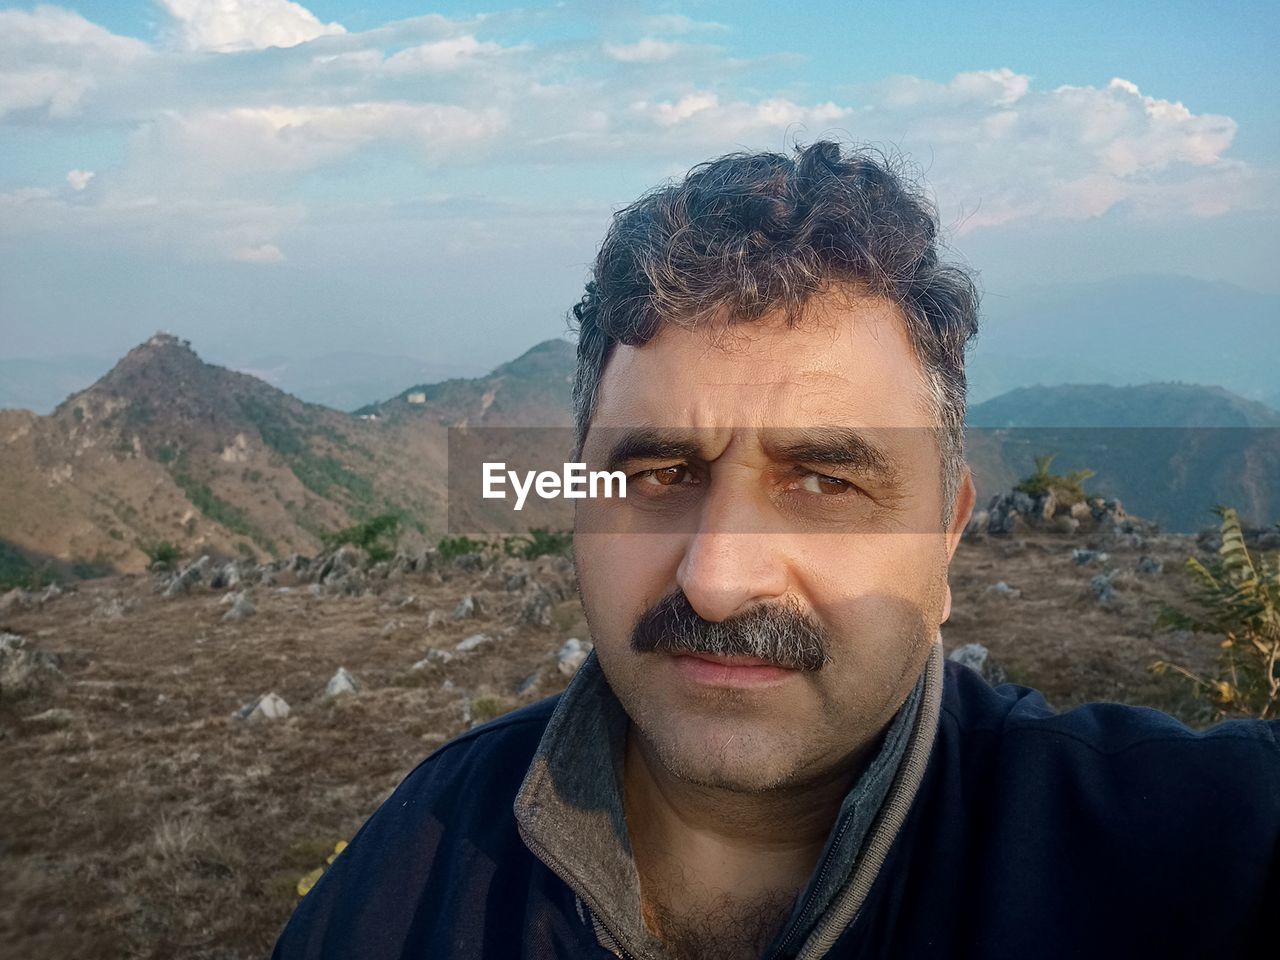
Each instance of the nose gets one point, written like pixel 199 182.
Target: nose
pixel 732 561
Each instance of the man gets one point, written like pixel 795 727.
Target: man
pixel 765 756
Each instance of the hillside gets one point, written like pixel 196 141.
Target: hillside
pixel 533 390
pixel 1103 405
pixel 166 447
pixel 198 850
pixel 1170 451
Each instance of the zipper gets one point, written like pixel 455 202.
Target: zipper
pixel 885 831
pixel 598 925
pixel 822 875
pixel 602 933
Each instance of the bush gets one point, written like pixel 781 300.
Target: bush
pixel 539 543
pixel 15 569
pixel 451 547
pixel 1238 599
pixel 161 552
pixel 376 536
pixel 1068 490
pixel 91 569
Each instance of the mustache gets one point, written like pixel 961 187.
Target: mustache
pixel 782 633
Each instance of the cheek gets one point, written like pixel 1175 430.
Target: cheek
pixel 619 577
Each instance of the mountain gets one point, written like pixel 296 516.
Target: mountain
pixel 1102 405
pixel 533 390
pixel 166 447
pixel 1169 451
pixel 1125 331
pixel 345 380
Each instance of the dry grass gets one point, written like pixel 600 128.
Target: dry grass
pixel 142 820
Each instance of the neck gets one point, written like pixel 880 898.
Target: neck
pixel 796 817
pixel 719 870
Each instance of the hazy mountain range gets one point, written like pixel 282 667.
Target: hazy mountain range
pixel 1126 331
pixel 167 447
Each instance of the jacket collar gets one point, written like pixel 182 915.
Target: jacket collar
pixel 570 814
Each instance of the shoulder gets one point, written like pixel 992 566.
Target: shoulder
pixel 1011 712
pixel 1109 758
pixel 448 826
pixel 491 757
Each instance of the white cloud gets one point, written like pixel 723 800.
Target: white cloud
pixel 678 23
pixel 262 253
pixel 647 50
pixel 670 114
pixel 1003 151
pixel 51 59
pixel 223 137
pixel 229 25
pixel 983 88
pixel 440 55
pixel 206 150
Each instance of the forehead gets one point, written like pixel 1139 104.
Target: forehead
pixel 848 362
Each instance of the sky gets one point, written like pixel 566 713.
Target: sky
pixel 432 180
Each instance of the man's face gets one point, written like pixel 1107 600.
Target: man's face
pixel 789 472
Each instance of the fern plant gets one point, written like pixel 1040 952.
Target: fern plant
pixel 376 536
pixel 1237 597
pixel 1067 489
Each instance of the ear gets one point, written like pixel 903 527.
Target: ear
pixel 966 497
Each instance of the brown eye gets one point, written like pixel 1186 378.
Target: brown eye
pixel 830 486
pixel 670 476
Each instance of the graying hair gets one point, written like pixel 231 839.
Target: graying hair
pixel 752 233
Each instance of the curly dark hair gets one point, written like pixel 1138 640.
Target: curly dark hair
pixel 749 234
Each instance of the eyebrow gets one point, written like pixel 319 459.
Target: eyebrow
pixel 837 447
pixel 647 443
pixel 832 446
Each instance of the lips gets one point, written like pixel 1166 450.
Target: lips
pixel 738 672
pixel 732 661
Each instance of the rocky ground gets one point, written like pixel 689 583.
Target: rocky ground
pixel 181 748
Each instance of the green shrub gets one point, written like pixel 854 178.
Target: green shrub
pixel 539 543
pixel 91 569
pixel 450 547
pixel 377 536
pixel 162 551
pixel 1068 490
pixel 15 569
pixel 1237 598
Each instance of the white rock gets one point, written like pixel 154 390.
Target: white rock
pixel 571 656
pixel 241 607
pixel 340 683
pixel 270 706
pixel 972 655
pixel 471 642
pixel 468 607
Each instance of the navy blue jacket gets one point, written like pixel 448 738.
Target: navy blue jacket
pixel 1106 831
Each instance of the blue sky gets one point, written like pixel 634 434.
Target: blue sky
pixel 431 180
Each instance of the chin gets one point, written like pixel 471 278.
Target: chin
pixel 726 756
